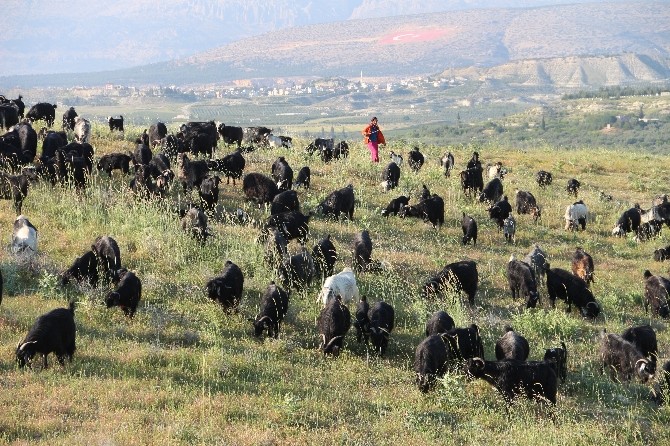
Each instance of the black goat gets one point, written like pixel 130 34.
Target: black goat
pixel 624 360
pixel 325 256
pixel 522 282
pixel 84 269
pixel 304 177
pixel 457 276
pixel 109 256
pixel 227 287
pixel 512 345
pixel 656 289
pixel 127 293
pixel 534 380
pixel 273 309
pixel 285 201
pixel 395 205
pixel 558 356
pixel 431 210
pixel 333 324
pixel 54 332
pixel 469 227
pixel 282 174
pixel 339 202
pixel 564 285
pixel 259 188
pixel 439 322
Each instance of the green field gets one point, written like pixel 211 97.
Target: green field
pixel 184 372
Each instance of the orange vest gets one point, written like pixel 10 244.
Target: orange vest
pixel 380 136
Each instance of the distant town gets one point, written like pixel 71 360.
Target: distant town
pixel 251 88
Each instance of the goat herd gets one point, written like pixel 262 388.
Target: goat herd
pixel 445 347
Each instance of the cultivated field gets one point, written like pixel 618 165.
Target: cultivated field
pixel 183 372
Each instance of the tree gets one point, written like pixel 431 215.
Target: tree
pixel 542 124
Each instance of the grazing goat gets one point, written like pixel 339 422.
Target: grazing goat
pixel 54 332
pixel 643 337
pixel 227 287
pixel 84 269
pixel 430 210
pixel 526 204
pixel 325 256
pixel 469 227
pixel 195 223
pixel 537 259
pixel 558 356
pixel 362 251
pixel 285 201
pixel 333 324
pixel 575 216
pixel 293 225
pixel 190 173
pixel 127 293
pixel 304 177
pixel 273 309
pixel 231 165
pixel 582 265
pixel 662 254
pixel 109 256
pixel 259 188
pixel 457 276
pixel 534 380
pixel 543 178
pixel 297 271
pixel 629 221
pixel 573 186
pixel 564 285
pixel 512 345
pixel 338 202
pixel 24 237
pixel 624 360
pixel 376 324
pixel 439 322
pixel 656 289
pixel 342 284
pixel 522 281
pixel 394 206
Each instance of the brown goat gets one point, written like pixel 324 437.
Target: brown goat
pixel 582 265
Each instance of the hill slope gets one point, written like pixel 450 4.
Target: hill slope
pixel 419 44
pixel 43 36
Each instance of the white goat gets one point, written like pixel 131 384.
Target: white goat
pixel 342 284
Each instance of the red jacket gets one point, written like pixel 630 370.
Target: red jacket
pixel 367 131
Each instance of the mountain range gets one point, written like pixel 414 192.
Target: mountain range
pixel 526 43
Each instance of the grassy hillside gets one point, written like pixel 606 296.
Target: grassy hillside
pixel 183 372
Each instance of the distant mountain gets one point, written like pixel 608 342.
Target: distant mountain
pixel 77 36
pixel 624 42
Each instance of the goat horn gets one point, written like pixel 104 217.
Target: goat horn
pixel 331 341
pixel 22 346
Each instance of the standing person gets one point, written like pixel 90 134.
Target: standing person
pixel 373 137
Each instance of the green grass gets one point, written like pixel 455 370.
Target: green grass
pixel 184 372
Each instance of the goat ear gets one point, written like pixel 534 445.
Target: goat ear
pixel 478 363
